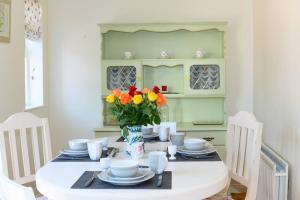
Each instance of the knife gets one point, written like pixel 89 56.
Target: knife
pixel 111 154
pixel 93 177
pixel 159 181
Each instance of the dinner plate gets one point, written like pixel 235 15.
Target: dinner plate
pixel 75 151
pixel 140 174
pixel 207 149
pixel 206 146
pixel 74 154
pixel 103 177
pixel 151 136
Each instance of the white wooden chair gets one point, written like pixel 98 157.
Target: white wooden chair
pixel 23 126
pixel 244 134
pixel 10 190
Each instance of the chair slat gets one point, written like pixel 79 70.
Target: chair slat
pixel 242 151
pixel 35 147
pixel 14 154
pixel 3 159
pixel 250 138
pixel 46 141
pixel 236 143
pixel 25 154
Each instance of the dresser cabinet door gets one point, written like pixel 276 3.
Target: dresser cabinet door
pixel 205 77
pixel 121 74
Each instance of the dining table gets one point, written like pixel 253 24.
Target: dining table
pixel 191 180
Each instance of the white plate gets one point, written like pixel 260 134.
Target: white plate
pixel 140 174
pixel 150 136
pixel 206 146
pixel 207 149
pixel 74 154
pixel 103 177
pixel 75 151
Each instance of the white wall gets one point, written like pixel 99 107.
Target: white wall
pixel 74 53
pixel 277 79
pixel 12 93
pixel 12 77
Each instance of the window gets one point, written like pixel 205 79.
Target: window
pixel 34 73
pixel 34 83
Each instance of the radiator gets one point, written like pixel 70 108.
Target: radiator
pixel 273 176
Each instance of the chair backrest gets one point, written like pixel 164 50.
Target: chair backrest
pixel 10 190
pixel 25 125
pixel 243 150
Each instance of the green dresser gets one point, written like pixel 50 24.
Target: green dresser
pixel 196 85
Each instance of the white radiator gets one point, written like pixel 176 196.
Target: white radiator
pixel 273 176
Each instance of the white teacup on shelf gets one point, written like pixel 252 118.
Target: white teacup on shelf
pixel 199 54
pixel 164 54
pixel 128 55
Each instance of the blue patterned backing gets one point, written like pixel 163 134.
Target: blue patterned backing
pixel 204 77
pixel 121 77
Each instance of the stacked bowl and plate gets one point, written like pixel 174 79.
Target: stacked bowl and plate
pixel 126 173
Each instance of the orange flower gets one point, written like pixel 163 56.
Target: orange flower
pixel 116 92
pixel 125 99
pixel 145 90
pixel 161 100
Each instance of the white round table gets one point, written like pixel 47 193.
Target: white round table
pixel 191 180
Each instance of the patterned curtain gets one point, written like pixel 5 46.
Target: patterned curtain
pixel 33 19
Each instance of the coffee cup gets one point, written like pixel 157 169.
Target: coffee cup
pixel 158 161
pixel 177 138
pixel 94 150
pixel 164 133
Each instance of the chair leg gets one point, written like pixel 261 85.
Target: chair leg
pixel 238 196
pixel 33 186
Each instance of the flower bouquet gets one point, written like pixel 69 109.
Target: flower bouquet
pixel 136 108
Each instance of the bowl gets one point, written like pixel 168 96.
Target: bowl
pixel 194 144
pixel 124 168
pixel 78 144
pixel 104 141
pixel 147 130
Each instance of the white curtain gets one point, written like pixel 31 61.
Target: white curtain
pixel 33 19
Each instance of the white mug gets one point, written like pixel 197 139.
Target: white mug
pixel 95 150
pixel 158 161
pixel 104 163
pixel 164 133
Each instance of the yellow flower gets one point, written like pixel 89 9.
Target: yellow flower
pixel 152 96
pixel 137 99
pixel 110 98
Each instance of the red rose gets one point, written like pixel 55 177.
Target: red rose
pixel 156 89
pixel 131 90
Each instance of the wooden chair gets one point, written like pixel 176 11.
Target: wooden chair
pixel 10 190
pixel 14 135
pixel 243 153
